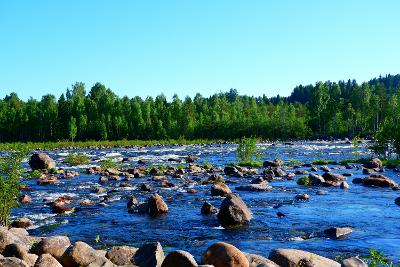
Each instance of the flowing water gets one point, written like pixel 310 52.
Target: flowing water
pixel 371 212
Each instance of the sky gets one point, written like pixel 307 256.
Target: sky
pixel 148 47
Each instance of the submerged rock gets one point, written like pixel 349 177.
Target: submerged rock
pixel 234 212
pixel 224 255
pixel 338 232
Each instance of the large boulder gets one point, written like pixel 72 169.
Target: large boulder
pixel 46 260
pixel 149 255
pixel 54 245
pixel 121 255
pixel 41 161
pixel 220 189
pixel 179 258
pixel 14 236
pixel 295 257
pixel 80 254
pixel 259 261
pixel 20 252
pixel 378 180
pixel 12 262
pixel 234 212
pixel 224 255
pixel 156 205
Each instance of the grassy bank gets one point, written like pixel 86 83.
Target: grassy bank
pixel 100 144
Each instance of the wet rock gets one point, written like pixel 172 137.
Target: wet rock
pixel 191 159
pixel 61 207
pixel 274 163
pixel 290 176
pixel 179 258
pixel 22 223
pixel 142 161
pixel 373 163
pixel 208 208
pixel 378 180
pixel 397 201
pixel 195 169
pixel 156 205
pixel 354 262
pixel 103 179
pixel 12 262
pixel 303 197
pixel 278 172
pixel 257 180
pixel 347 174
pixel 254 187
pixel 215 178
pixel 220 189
pixel 330 176
pixel 314 169
pixel 41 161
pixel 48 180
pixel 54 245
pixel 234 212
pixel 86 202
pixel 80 254
pixel 259 261
pixel 316 179
pixel 191 191
pixel 325 168
pixel 338 232
pixel 25 199
pixel 121 255
pixel 132 202
pixel 280 214
pixel 112 171
pixel 145 187
pixel 46 260
pixel 294 257
pixel 224 255
pixel 301 172
pixel 344 185
pixel 114 178
pixel 99 190
pixel 233 171
pixel 149 255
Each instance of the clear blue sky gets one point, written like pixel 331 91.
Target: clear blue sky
pixel 148 47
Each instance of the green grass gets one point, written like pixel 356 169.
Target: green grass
pixel 109 163
pixel 293 162
pixel 33 174
pixel 360 160
pixel 86 144
pixel 322 162
pixel 304 181
pixel 74 159
pixel 250 163
pixel 391 162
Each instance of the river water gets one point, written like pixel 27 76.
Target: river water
pixel 371 212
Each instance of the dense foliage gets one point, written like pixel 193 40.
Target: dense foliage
pixel 321 110
pixel 10 173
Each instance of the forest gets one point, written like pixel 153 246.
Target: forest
pixel 323 110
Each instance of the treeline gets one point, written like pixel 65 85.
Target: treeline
pixel 343 109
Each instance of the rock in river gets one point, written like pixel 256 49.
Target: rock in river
pixel 220 189
pixel 338 232
pixel 234 212
pixel 378 180
pixel 149 255
pixel 41 161
pixel 254 187
pixel 294 258
pixel 224 255
pixel 156 205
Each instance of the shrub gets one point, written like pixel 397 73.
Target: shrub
pixel 304 181
pixel 376 259
pixel 246 150
pixel 250 163
pixel 77 159
pixel 321 162
pixel 109 163
pixel 10 173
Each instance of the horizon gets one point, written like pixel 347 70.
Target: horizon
pixel 153 48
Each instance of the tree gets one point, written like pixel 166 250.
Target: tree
pixel 72 129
